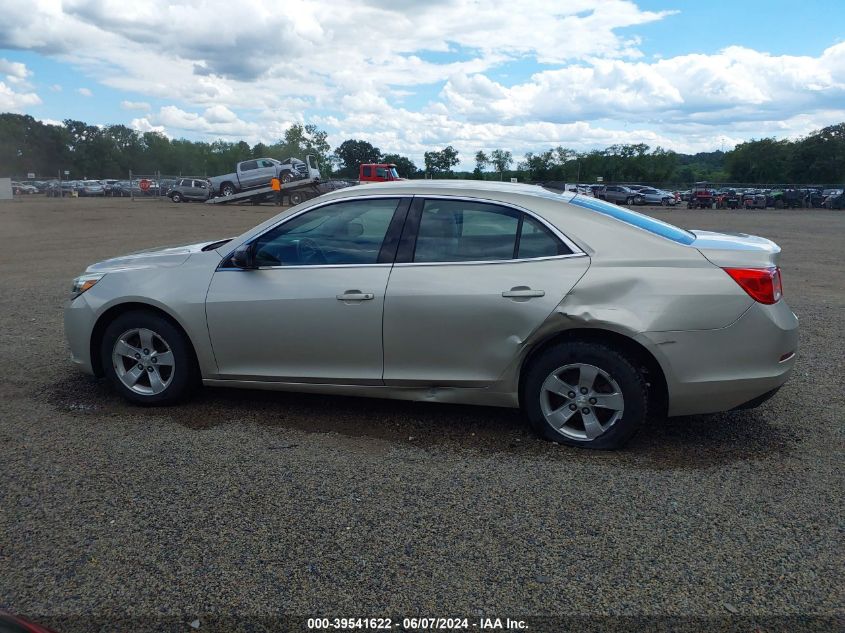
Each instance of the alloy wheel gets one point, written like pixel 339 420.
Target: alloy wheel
pixel 143 361
pixel 581 401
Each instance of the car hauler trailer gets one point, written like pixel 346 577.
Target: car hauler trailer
pixel 293 192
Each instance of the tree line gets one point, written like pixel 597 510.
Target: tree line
pixel 90 151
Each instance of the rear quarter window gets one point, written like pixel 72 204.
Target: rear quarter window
pixel 658 227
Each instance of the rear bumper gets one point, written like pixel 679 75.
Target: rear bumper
pixel 717 370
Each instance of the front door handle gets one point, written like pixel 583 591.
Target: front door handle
pixel 355 295
pixel 523 292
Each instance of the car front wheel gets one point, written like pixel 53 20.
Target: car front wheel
pixel 176 197
pixel 584 394
pixel 147 359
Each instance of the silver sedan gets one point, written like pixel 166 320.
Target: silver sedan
pixel 588 316
pixel 657 197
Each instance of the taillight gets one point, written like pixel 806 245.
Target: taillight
pixel 761 284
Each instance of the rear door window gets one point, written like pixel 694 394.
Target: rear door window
pixel 537 240
pixel 458 231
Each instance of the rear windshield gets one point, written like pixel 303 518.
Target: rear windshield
pixel 664 229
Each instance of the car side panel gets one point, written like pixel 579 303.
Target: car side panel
pixel 448 324
pixel 631 296
pixel 655 296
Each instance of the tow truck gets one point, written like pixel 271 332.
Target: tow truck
pixel 293 192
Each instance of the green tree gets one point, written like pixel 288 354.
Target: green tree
pixel 299 141
pixel 352 153
pixel 538 167
pixel 481 161
pixel 819 158
pixel 760 161
pixel 441 162
pixel 501 161
pixel 405 167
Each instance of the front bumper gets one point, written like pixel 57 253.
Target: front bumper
pixel 79 321
pixel 708 371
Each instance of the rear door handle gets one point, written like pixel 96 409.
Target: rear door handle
pixel 523 292
pixel 355 295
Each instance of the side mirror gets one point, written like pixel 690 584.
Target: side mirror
pixel 243 257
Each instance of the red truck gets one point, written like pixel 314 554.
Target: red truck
pixel 378 172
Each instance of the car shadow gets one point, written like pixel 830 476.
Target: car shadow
pixel 684 443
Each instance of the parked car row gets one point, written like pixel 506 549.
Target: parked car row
pixel 703 195
pixel 619 194
pixel 107 187
pixel 23 189
pixel 635 194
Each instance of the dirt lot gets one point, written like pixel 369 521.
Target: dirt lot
pixel 251 505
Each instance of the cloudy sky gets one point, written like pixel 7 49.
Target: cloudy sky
pixel 410 75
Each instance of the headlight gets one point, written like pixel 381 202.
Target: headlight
pixel 85 282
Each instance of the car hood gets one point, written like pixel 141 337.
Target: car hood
pixel 165 257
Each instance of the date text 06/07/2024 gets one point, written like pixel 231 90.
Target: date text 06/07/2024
pixel 416 624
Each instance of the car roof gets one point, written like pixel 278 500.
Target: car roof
pixel 472 188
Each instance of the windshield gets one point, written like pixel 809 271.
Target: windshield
pixel 664 229
pixel 394 173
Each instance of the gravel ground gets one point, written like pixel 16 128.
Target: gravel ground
pixel 242 506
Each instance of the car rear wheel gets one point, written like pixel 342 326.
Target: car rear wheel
pixel 584 394
pixel 295 198
pixel 148 359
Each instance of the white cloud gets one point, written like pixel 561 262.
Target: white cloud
pixel 13 70
pixel 143 125
pixel 214 122
pixel 13 101
pixel 85 92
pixel 350 65
pixel 734 85
pixel 134 105
pixel 56 88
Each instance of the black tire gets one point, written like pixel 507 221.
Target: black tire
pixel 631 382
pixel 227 189
pixel 295 198
pixel 664 202
pixel 185 374
pixel 629 201
pixel 177 197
